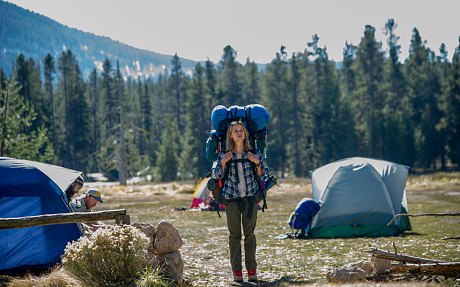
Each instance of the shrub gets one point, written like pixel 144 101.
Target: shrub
pixel 111 256
pixel 155 276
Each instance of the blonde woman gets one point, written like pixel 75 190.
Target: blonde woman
pixel 239 192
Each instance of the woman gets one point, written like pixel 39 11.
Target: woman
pixel 240 193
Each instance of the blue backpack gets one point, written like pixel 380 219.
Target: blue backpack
pixel 301 217
pixel 255 118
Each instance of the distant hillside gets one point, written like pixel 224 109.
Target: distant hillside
pixel 34 35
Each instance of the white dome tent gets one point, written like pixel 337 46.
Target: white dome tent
pixel 359 197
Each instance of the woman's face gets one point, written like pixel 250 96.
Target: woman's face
pixel 238 133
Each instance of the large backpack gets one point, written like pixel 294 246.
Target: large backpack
pixel 301 218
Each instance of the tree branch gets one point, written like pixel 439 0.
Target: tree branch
pixel 423 214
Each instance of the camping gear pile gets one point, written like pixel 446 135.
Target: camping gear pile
pixel 357 197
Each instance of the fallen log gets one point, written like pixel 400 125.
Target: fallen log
pixel 402 258
pixel 423 214
pixel 60 218
pixel 448 269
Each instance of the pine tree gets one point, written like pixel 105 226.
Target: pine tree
pixel 79 125
pixel 450 105
pixel 274 94
pixel 398 141
pixel 423 84
pixel 211 85
pixel 122 170
pixel 49 70
pixel 230 85
pixel 251 91
pixel 193 161
pixel 177 90
pixel 95 116
pixel 167 154
pixel 294 81
pixel 27 74
pixel 66 84
pixel 368 96
pixel 324 102
pixel 15 142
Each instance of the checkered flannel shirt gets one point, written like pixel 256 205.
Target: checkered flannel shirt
pixel 230 188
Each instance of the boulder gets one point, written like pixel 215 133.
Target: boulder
pixel 346 274
pixel 167 239
pixel 365 265
pixel 175 266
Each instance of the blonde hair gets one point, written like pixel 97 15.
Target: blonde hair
pixel 230 144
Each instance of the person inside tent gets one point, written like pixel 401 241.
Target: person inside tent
pixel 86 202
pixel 74 187
pixel 238 168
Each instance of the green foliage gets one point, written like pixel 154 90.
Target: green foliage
pixel 371 104
pixel 18 140
pixel 168 153
pixel 154 277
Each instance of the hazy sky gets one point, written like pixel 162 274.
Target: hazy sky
pixel 200 29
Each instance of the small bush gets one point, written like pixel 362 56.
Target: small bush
pixel 112 256
pixel 154 277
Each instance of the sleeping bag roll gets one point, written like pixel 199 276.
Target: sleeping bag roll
pixel 255 113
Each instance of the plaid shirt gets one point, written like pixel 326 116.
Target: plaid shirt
pixel 230 188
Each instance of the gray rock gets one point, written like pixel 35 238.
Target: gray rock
pixel 346 274
pixel 167 238
pixel 365 265
pixel 175 266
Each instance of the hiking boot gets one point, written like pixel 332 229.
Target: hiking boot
pixel 252 275
pixel 238 276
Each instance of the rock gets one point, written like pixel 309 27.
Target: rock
pixel 346 274
pixel 380 265
pixel 148 230
pixel 167 238
pixel 175 266
pixel 365 265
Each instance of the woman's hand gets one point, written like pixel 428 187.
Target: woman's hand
pixel 253 157
pixel 225 158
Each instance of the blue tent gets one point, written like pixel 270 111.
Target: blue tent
pixel 32 188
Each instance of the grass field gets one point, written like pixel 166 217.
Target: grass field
pixel 292 262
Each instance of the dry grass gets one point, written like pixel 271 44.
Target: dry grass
pixel 58 277
pixel 292 262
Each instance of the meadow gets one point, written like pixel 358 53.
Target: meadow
pixel 284 262
pixel 292 262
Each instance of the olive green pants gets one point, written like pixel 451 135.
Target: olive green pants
pixel 237 213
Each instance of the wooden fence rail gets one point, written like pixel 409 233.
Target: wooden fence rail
pixel 119 215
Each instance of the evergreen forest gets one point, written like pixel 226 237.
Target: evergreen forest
pixel 373 104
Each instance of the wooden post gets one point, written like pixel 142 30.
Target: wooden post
pixel 123 219
pixel 60 218
pixel 450 269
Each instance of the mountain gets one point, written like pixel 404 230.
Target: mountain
pixel 34 35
